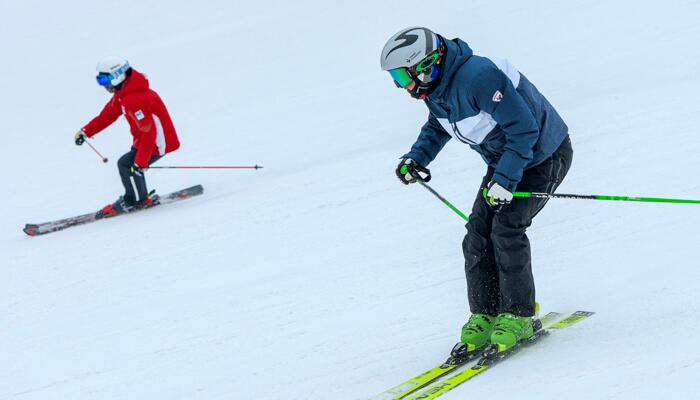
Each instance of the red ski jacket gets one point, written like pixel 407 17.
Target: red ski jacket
pixel 151 126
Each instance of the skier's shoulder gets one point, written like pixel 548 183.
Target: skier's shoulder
pixel 138 91
pixel 470 72
pixel 478 71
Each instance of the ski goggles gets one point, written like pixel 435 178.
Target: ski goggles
pixel 402 76
pixel 104 79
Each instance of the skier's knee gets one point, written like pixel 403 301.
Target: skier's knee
pixel 507 226
pixel 476 240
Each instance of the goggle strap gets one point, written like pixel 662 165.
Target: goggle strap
pixel 432 58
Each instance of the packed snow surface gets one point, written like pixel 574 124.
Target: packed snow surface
pixel 321 276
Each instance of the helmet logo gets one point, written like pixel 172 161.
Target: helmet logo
pixel 407 40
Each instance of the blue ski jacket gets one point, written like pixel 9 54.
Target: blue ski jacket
pixel 489 105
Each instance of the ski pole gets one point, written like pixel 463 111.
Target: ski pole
pixel 599 197
pixel 208 167
pixel 444 200
pixel 104 159
pixel 563 196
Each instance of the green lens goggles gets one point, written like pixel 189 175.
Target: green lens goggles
pixel 401 76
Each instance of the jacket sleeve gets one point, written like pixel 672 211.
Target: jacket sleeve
pixel 431 140
pixel 107 116
pixel 140 112
pixel 511 112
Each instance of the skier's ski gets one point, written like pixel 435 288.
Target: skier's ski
pixel 458 358
pixel 53 226
pixel 572 319
pixel 492 357
pixel 411 385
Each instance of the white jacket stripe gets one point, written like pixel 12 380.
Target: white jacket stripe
pixel 160 136
pixel 474 129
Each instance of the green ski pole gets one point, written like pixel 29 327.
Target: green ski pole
pixel 598 197
pixel 563 196
pixel 444 200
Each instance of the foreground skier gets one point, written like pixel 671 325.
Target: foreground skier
pixel 151 127
pixel 490 106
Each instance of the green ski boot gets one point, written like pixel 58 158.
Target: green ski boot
pixel 476 332
pixel 511 329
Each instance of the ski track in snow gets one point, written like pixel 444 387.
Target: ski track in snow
pixel 320 276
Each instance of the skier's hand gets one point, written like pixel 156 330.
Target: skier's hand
pixel 408 171
pixel 497 195
pixel 80 138
pixel 136 170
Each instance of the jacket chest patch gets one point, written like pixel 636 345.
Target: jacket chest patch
pixel 497 97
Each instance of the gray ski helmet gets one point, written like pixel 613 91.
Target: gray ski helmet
pixel 414 55
pixel 408 47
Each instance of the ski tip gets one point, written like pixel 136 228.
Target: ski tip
pixel 31 229
pixel 190 191
pixel 571 319
pixel 584 313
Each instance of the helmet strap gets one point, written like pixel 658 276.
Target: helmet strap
pixel 420 90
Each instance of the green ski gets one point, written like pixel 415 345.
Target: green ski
pixel 491 358
pixel 457 360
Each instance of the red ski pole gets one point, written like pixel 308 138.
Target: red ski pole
pixel 104 159
pixel 207 167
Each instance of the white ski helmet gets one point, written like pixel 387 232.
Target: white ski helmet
pixel 413 55
pixel 111 71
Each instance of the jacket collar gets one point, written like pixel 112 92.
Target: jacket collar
pixel 137 82
pixel 457 53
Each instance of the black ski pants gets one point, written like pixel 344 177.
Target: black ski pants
pixel 135 190
pixel 496 248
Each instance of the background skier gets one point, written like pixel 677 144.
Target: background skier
pixel 490 106
pixel 151 127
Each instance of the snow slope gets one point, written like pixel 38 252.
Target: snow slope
pixel 320 276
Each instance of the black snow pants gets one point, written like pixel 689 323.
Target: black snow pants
pixel 135 190
pixel 496 248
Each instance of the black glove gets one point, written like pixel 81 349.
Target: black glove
pixel 80 138
pixel 408 171
pixel 136 170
